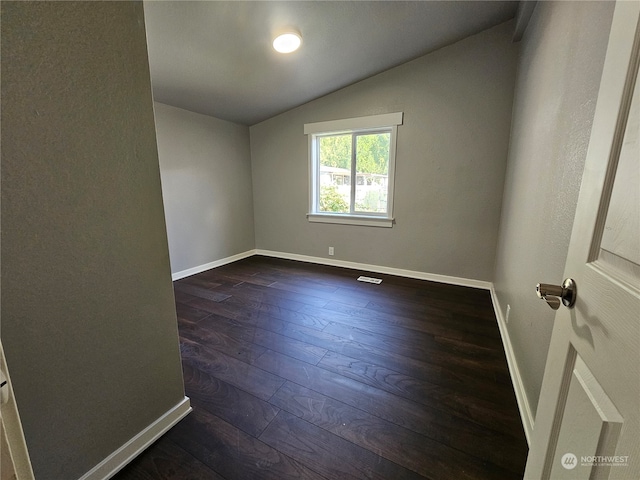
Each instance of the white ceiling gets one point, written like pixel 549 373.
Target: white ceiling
pixel 215 57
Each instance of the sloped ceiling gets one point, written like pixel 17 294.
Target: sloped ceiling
pixel 216 58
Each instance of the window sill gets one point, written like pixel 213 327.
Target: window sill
pixel 351 220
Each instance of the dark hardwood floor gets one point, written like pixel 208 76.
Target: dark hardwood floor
pixel 297 370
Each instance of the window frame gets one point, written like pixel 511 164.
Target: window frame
pixel 353 126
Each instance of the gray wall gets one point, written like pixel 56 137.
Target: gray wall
pixel 561 59
pixel 450 163
pixel 205 166
pixel 88 316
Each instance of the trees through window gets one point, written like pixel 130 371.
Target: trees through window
pixel 341 158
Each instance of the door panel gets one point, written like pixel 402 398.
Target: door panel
pixel 588 419
pixel 620 247
pixel 590 425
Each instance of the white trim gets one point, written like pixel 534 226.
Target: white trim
pixel 357 123
pixel 434 277
pixel 393 145
pixel 465 282
pixel 350 220
pixel 11 430
pixel 526 415
pixel 313 174
pixel 385 123
pixel 208 266
pixel 134 447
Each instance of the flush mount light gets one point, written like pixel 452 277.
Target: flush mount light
pixel 287 42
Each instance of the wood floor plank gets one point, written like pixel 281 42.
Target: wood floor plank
pixel 200 292
pixel 348 391
pixel 298 277
pixel 164 460
pixel 244 328
pixel 461 301
pixel 187 312
pixel 400 445
pixel 199 281
pixel 474 383
pixel 415 344
pixel 183 298
pixel 409 317
pixel 299 317
pixel 402 327
pixel 312 290
pixel 270 295
pixel 325 291
pixel 329 454
pixel 416 331
pixel 426 420
pixel 245 411
pixel 450 400
pixel 289 346
pixel 241 312
pixel 423 296
pixel 242 375
pixel 254 302
pixel 216 340
pixel 267 339
pixel 431 349
pixel 238 276
pixel 224 309
pixel 234 454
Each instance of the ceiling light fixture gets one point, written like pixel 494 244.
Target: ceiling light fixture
pixel 287 42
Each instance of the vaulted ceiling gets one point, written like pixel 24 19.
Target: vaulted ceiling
pixel 216 58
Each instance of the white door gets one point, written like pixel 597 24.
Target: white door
pixel 14 457
pixel 588 420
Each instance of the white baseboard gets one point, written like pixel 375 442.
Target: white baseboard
pixel 130 450
pixel 526 415
pixel 465 282
pixel 208 266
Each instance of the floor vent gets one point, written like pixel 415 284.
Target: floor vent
pixel 377 281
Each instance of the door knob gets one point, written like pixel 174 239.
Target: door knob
pixel 553 294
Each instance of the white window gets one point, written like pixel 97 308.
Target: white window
pixel 362 149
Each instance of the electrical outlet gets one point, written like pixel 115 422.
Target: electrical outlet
pixel 506 319
pixel 330 250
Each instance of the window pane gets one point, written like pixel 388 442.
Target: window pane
pixel 372 165
pixel 334 153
